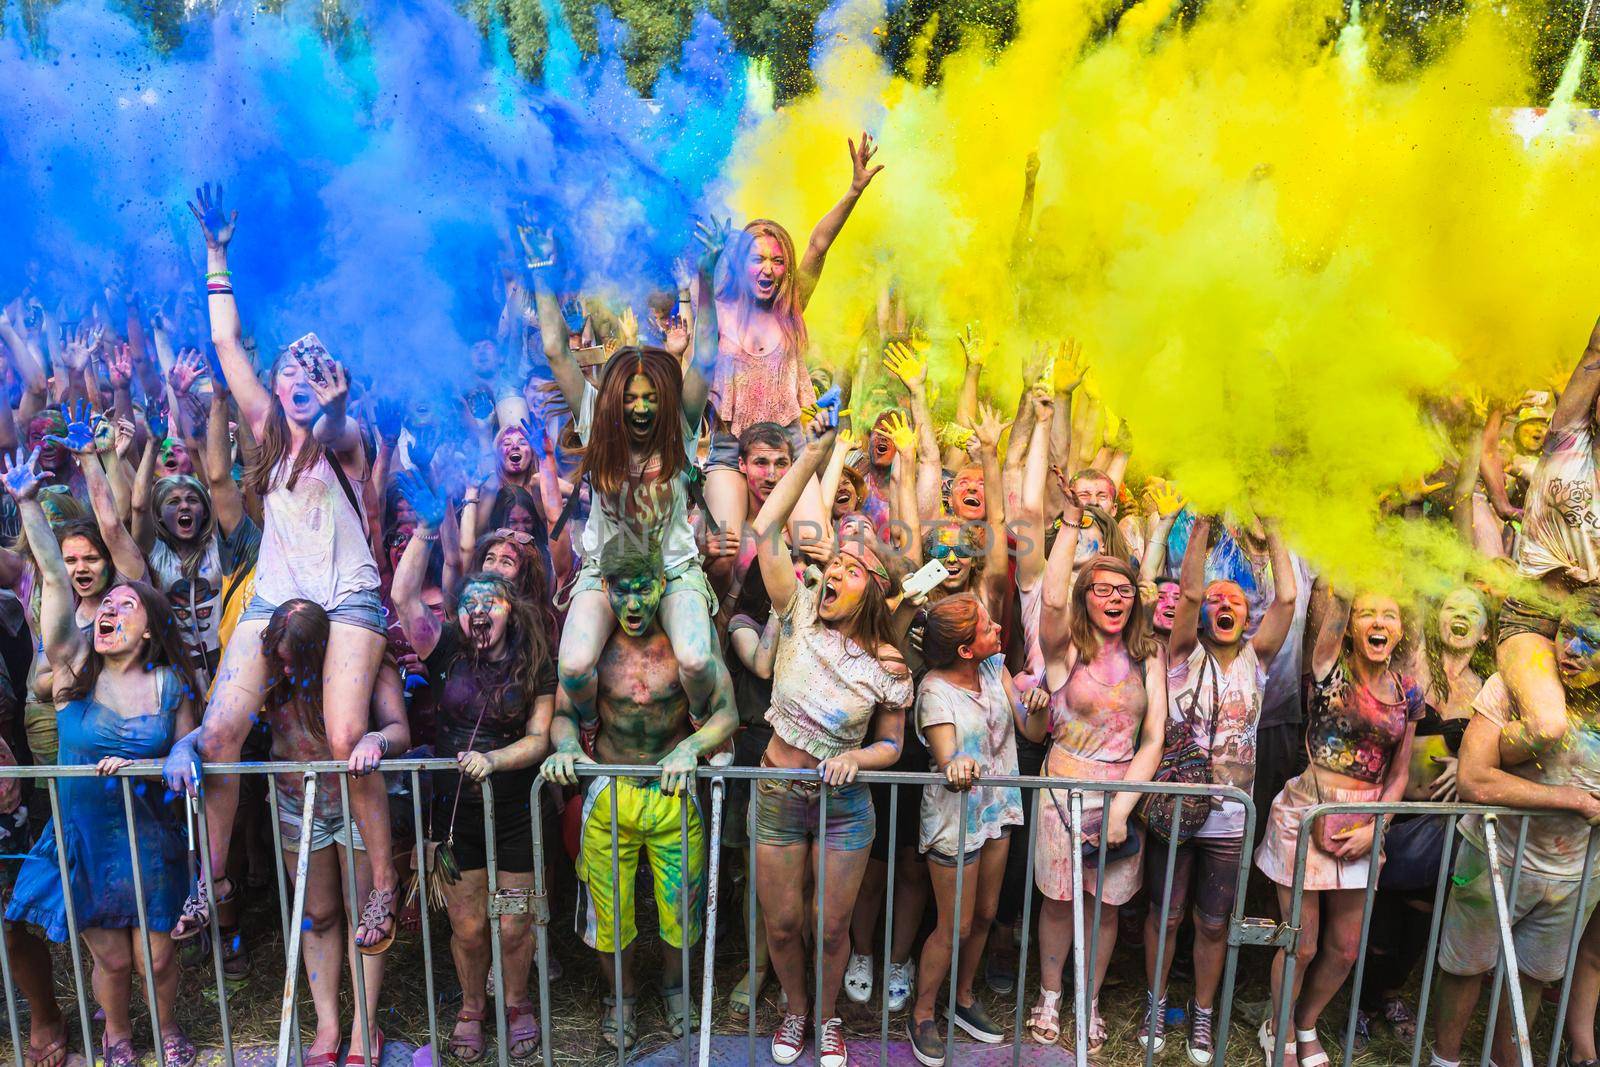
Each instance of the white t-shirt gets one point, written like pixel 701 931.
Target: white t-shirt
pixel 1560 526
pixel 1198 690
pixel 985 731
pixel 647 508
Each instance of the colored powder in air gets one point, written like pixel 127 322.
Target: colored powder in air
pixel 1272 252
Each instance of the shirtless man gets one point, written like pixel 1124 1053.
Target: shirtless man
pixel 643 718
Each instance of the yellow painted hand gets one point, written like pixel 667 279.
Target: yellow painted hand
pixel 900 432
pixel 1067 368
pixel 1162 497
pixel 900 360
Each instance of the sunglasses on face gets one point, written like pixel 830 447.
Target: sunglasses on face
pixel 1107 589
pixel 942 551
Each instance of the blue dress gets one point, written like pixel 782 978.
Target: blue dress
pixel 95 827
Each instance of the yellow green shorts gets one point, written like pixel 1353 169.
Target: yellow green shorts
pixel 650 822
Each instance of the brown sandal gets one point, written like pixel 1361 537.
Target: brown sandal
pixel 196 913
pixel 379 914
pixel 459 1047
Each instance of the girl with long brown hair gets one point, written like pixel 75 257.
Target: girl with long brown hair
pixel 840 690
pixel 761 374
pixel 639 429
pixel 1106 720
pixel 308 468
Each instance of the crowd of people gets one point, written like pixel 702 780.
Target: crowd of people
pixel 647 536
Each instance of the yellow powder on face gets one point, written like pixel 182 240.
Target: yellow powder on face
pixel 1272 236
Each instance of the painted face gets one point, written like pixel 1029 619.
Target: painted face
pixel 855 528
pixel 51 454
pixel 1375 627
pixel 635 599
pixel 957 558
pixel 503 559
pixel 1166 607
pixel 966 495
pixel 763 468
pixel 986 637
pixel 1530 436
pixel 293 390
pixel 766 268
pixel 1225 612
pixel 395 542
pixel 516 455
pixel 175 458
pixel 1578 650
pixel 87 569
pixel 183 513
pixel 845 500
pixel 1098 492
pixel 484 359
pixel 881 448
pixel 483 614
pixel 1110 601
pixel 844 585
pixel 121 625
pixel 1463 622
pixel 640 405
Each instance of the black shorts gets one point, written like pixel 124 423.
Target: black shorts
pixel 1525 617
pixel 513 834
pixel 908 819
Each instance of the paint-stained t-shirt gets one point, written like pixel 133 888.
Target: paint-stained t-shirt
pixel 1221 710
pixel 1560 526
pixel 481 709
pixel 1556 843
pixel 1351 732
pixel 985 731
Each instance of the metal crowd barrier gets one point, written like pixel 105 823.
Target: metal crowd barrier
pixel 1242 930
pixel 1506 971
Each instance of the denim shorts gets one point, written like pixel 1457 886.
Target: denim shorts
pixel 363 609
pixel 723 452
pixel 787 813
pixel 948 859
pixel 1525 617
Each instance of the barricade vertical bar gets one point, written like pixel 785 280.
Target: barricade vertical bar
pixel 1280 1028
pixel 208 877
pixel 293 917
pixel 1503 916
pixel 616 929
pixel 750 919
pixel 955 926
pixel 496 951
pixel 11 989
pixel 420 847
pixel 1080 984
pixel 888 920
pixel 1429 956
pixel 363 1024
pixel 541 934
pixel 1154 1004
pixel 1578 921
pixel 1093 994
pixel 1027 925
pixel 684 799
pixel 822 911
pixel 72 917
pixel 144 923
pixel 1378 829
pixel 713 873
pixel 291 1001
pixel 1508 950
pixel 1230 966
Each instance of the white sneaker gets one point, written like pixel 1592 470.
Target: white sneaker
pixel 858 979
pixel 902 980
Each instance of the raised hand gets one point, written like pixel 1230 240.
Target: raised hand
pixel 215 224
pixel 389 415
pixel 80 346
pixel 21 474
pixel 973 346
pixel 156 419
pixel 119 366
pixel 1044 404
pixel 327 379
pixel 902 361
pixel 629 323
pixel 538 243
pixel 676 339
pixel 988 427
pixel 952 435
pixel 1163 498
pixel 713 237
pixel 79 438
pixel 861 170
pixel 534 435
pixel 425 442
pixel 828 407
pixel 901 433
pixel 187 366
pixel 428 505
pixel 123 441
pixel 1067 367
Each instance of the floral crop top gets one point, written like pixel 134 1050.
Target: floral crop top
pixel 1351 732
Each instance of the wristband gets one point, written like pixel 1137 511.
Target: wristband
pixel 541 264
pixel 383 743
pixel 219 274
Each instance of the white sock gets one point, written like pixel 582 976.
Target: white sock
pixel 1434 1060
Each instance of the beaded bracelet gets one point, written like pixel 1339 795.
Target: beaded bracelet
pixel 219 274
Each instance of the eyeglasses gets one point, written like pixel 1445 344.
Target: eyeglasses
pixel 505 533
pixel 1124 591
pixel 943 551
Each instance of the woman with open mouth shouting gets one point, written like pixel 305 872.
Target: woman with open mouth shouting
pixel 1362 717
pixel 123 690
pixel 840 691
pixel 309 464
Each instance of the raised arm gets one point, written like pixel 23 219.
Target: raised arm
pixel 1055 615
pixel 417 621
pixel 64 644
pixel 125 554
pixel 1279 616
pixel 227 334
pixel 569 377
pixel 904 506
pixel 772 551
pixel 1166 502
pixel 902 361
pixel 1192 584
pixel 1330 636
pixel 216 462
pixel 1576 406
pixel 973 348
pixel 822 238
pixel 1024 229
pixel 1032 524
pixel 988 429
pixel 713 237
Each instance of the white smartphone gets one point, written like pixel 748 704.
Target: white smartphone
pixel 925 579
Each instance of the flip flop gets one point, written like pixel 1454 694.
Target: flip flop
pixel 52 1055
pixel 460 1047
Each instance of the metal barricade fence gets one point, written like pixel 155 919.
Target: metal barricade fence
pixel 1085 920
pixel 1083 954
pixel 1506 971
